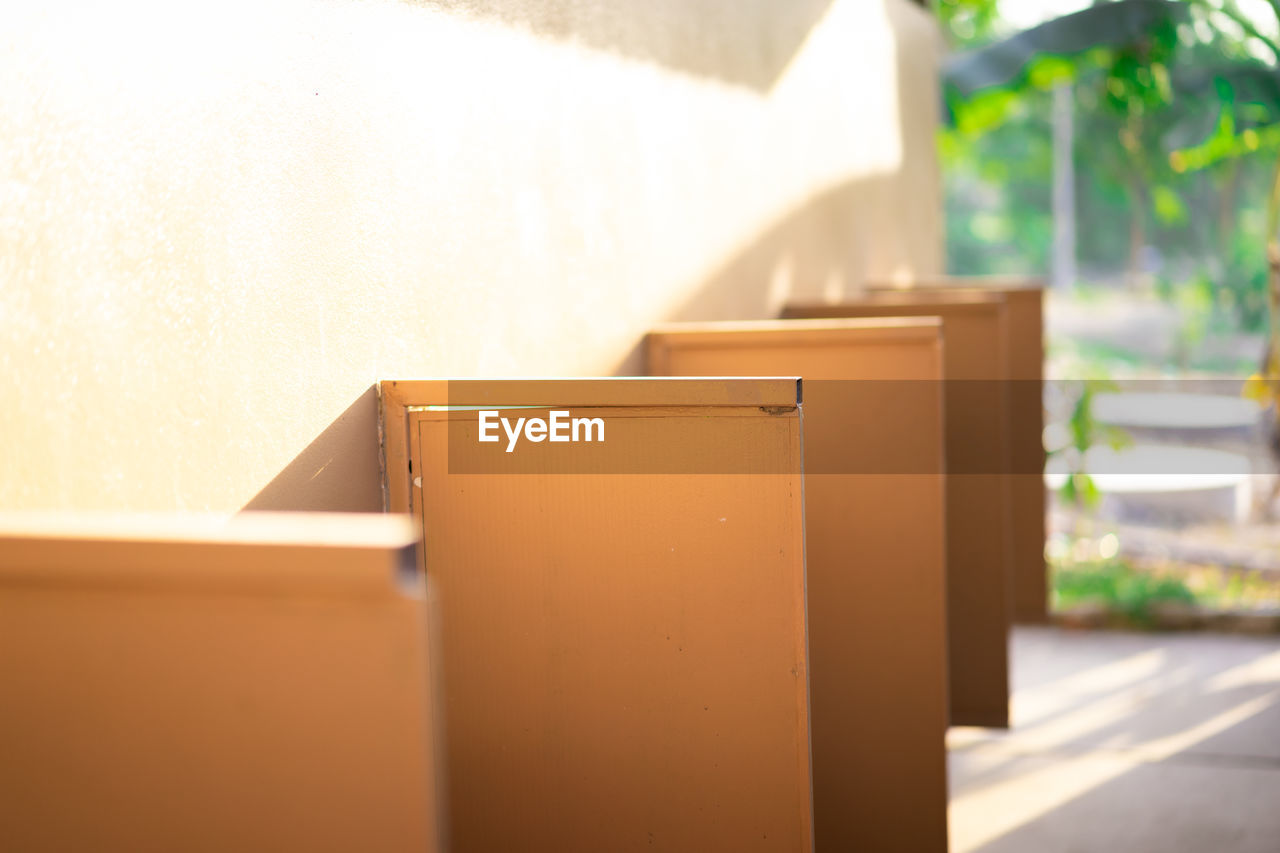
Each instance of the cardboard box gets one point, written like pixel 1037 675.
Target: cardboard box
pixel 622 621
pixel 875 557
pixel 1024 367
pixel 258 683
pixel 979 539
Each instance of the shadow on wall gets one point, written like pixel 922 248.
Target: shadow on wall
pixel 879 224
pixel 824 249
pixel 820 247
pixel 741 42
pixel 339 470
pixel 885 225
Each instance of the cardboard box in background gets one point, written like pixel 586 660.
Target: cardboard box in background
pixel 875 560
pixel 1024 314
pixel 979 539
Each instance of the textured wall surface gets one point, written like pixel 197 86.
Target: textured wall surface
pixel 220 225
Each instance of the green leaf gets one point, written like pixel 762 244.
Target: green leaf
pixel 1117 438
pixel 1168 206
pixel 984 111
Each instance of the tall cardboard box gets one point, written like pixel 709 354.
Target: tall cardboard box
pixel 979 538
pixel 622 616
pixel 875 557
pixel 1024 368
pixel 258 683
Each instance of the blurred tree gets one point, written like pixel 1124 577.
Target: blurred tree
pixel 1177 109
pixel 1192 92
pixel 997 209
pixel 1118 54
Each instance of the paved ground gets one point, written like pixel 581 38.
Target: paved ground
pixel 1126 742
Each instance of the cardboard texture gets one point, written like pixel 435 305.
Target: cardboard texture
pixel 622 653
pixel 244 684
pixel 875 560
pixel 1024 312
pixel 979 544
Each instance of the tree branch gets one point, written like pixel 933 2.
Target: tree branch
pixel 1232 11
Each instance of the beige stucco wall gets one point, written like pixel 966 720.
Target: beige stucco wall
pixel 221 224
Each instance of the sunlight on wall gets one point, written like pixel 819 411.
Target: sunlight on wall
pixel 219 225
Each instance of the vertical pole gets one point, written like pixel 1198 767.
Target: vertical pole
pixel 1063 271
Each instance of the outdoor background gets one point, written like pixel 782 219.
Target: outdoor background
pixel 1126 151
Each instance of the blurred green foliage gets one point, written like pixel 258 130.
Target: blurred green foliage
pixel 1177 129
pixel 1118 587
pixel 1243 290
pixel 1083 432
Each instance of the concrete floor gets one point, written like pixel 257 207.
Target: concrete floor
pixel 1152 743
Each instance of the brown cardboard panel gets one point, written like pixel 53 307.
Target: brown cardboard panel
pixel 623 655
pixel 258 683
pixel 875 560
pixel 1024 311
pixel 979 544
